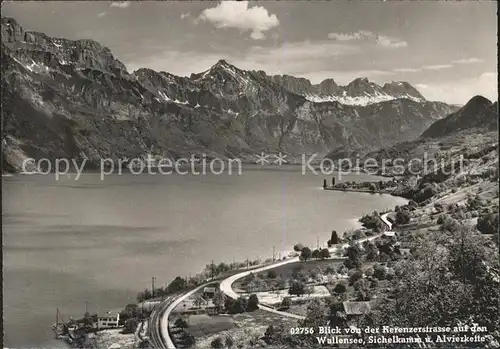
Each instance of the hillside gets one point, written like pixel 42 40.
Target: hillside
pixel 65 98
pixel 479 112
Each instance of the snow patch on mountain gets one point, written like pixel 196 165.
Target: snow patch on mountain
pixel 365 100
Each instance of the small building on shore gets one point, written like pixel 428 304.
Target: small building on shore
pixel 356 309
pixel 209 292
pixel 109 319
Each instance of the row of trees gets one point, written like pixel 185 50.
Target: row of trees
pixel 223 303
pixel 306 253
pixel 177 285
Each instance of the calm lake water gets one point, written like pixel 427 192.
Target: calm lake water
pixel 67 242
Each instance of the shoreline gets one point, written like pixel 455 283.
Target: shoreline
pixel 288 252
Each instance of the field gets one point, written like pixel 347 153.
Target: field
pixel 288 272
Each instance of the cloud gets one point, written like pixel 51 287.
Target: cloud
pixel 102 14
pixel 185 15
pixel 437 66
pixel 238 15
pixel 467 60
pixel 120 4
pixel 380 40
pixel 350 36
pixel 300 57
pixel 460 91
pixel 390 42
pixel 406 70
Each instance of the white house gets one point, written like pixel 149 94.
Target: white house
pixel 109 319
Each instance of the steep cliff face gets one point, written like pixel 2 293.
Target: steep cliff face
pixel 64 98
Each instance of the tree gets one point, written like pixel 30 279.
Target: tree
pixel 274 334
pixel 286 302
pixel 450 225
pixel 379 272
pixel 253 303
pixel 229 342
pixel 297 288
pixel 178 284
pixel 238 306
pixel 221 268
pixel 217 343
pixel 340 288
pixel 442 218
pixel 355 276
pixel 306 253
pixel 371 252
pixel 402 217
pixel 334 239
pixel 180 323
pixel 298 247
pixel 337 316
pixel 131 311
pixel 363 294
pixel 219 301
pixel 488 223
pixel 353 254
pixel 130 325
pixel 315 254
pixel 271 274
pixel 324 253
pixel 426 192
pixel 315 315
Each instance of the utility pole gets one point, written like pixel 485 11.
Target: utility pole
pixel 247 263
pixel 153 286
pixel 273 254
pixel 212 268
pixel 86 307
pixel 462 254
pixel 317 242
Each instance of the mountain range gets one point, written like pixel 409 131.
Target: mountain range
pixel 73 98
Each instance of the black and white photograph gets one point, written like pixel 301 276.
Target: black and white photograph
pixel 250 174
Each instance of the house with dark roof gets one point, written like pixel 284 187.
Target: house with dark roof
pixel 353 309
pixel 209 292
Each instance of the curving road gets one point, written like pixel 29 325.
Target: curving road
pixel 158 322
pixel 169 344
pixel 226 284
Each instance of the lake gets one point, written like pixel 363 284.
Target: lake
pixel 69 242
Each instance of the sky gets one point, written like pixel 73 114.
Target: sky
pixel 447 50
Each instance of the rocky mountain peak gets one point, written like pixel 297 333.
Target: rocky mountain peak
pixel 361 87
pixel 476 104
pixel 402 89
pixel 329 87
pixel 222 63
pixel 31 47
